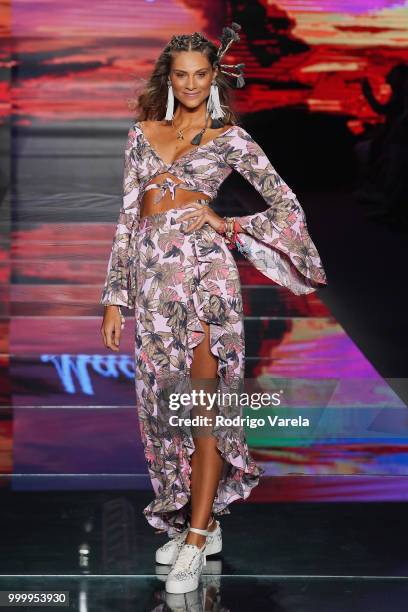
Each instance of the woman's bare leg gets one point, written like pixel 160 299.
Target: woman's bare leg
pixel 206 461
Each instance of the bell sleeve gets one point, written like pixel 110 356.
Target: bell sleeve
pixel 276 241
pixel 118 288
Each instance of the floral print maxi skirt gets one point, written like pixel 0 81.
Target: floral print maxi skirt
pixel 182 277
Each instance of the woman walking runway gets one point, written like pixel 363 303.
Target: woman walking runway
pixel 171 261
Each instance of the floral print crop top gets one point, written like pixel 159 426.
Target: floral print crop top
pixel 276 241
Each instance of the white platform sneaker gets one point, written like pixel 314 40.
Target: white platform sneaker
pixel 167 553
pixel 184 575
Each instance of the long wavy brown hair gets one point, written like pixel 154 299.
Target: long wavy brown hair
pixel 151 102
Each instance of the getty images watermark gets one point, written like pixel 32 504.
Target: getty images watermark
pixel 218 400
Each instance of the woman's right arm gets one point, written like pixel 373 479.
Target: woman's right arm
pixel 117 288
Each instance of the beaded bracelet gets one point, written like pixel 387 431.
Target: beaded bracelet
pixel 230 230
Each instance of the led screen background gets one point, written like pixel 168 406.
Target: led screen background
pixel 76 61
pixel 68 72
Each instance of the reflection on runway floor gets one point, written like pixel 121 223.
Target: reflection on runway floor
pixel 289 557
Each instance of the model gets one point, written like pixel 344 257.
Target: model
pixel 172 262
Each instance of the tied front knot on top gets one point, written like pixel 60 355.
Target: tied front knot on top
pixel 169 184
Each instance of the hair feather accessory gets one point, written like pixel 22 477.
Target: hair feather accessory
pixel 228 37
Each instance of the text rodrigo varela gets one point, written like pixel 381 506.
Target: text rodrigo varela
pixel 254 401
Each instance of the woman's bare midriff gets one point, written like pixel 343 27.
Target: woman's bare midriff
pixel 148 207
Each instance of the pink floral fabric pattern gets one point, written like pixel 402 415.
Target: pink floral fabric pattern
pixel 173 279
pixel 277 239
pixel 182 278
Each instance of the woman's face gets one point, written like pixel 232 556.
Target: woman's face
pixel 191 76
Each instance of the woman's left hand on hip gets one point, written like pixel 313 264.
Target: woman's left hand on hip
pixel 202 214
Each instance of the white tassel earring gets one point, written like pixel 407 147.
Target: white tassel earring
pixel 170 102
pixel 213 102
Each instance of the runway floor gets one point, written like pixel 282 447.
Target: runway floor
pixel 283 556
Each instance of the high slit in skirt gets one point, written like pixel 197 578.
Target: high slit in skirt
pixel 183 277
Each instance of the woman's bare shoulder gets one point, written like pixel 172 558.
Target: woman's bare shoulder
pixel 233 126
pixel 154 123
pixel 153 127
pixel 215 132
pixel 150 122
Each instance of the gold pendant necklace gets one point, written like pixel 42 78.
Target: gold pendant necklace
pixel 180 135
pixel 197 138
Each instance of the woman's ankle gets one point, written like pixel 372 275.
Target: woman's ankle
pixel 211 523
pixel 196 539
